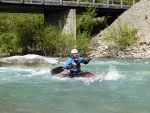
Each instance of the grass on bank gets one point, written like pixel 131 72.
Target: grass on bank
pixel 121 35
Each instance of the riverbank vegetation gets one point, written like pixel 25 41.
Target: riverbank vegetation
pixel 27 33
pixel 121 35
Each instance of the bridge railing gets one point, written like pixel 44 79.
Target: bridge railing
pixel 77 3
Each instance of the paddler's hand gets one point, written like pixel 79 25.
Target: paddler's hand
pixel 91 58
pixel 74 64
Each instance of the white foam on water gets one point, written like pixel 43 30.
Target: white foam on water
pixel 110 62
pixel 23 71
pixel 58 78
pixel 38 73
pixel 112 74
pixel 90 80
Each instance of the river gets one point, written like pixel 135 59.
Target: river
pixel 120 86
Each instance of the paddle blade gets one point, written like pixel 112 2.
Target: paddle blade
pixel 57 70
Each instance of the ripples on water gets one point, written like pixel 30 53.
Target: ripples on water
pixel 120 86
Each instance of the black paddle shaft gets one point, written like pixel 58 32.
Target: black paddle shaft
pixel 57 70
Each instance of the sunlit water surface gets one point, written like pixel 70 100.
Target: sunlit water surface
pixel 120 86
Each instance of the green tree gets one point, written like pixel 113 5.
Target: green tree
pixel 28 29
pixel 85 22
pixel 83 43
pixel 54 43
pixel 8 38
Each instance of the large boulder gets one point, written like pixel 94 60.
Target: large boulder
pixel 28 60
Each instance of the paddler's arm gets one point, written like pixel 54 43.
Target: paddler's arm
pixel 69 64
pixel 86 61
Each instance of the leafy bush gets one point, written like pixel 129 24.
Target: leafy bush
pixel 28 30
pixel 54 43
pixel 122 35
pixel 8 43
pixel 8 37
pixel 85 22
pixel 83 43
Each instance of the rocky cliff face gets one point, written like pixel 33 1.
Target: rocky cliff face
pixel 138 17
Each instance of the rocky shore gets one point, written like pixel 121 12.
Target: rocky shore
pixel 138 17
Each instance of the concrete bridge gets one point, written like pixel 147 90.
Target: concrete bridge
pixel 63 11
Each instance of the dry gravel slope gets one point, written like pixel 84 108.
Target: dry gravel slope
pixel 138 16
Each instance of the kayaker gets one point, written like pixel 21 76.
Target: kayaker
pixel 73 63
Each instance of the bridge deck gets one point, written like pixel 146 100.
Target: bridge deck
pixel 40 6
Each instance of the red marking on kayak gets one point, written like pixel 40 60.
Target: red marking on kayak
pixel 85 75
pixel 64 74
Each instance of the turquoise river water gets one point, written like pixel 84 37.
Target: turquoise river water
pixel 120 86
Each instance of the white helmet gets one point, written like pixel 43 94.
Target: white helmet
pixel 74 51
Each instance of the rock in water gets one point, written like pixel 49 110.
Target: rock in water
pixel 28 60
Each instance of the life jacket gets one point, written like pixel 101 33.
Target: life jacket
pixel 76 60
pixel 77 68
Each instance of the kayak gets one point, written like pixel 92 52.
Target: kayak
pixel 83 74
pixel 59 70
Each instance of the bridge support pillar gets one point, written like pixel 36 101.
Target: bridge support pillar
pixel 64 18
